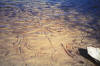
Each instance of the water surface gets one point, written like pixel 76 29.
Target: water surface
pixel 32 31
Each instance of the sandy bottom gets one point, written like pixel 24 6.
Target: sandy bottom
pixel 44 40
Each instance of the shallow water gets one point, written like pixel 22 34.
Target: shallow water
pixel 30 10
pixel 29 28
